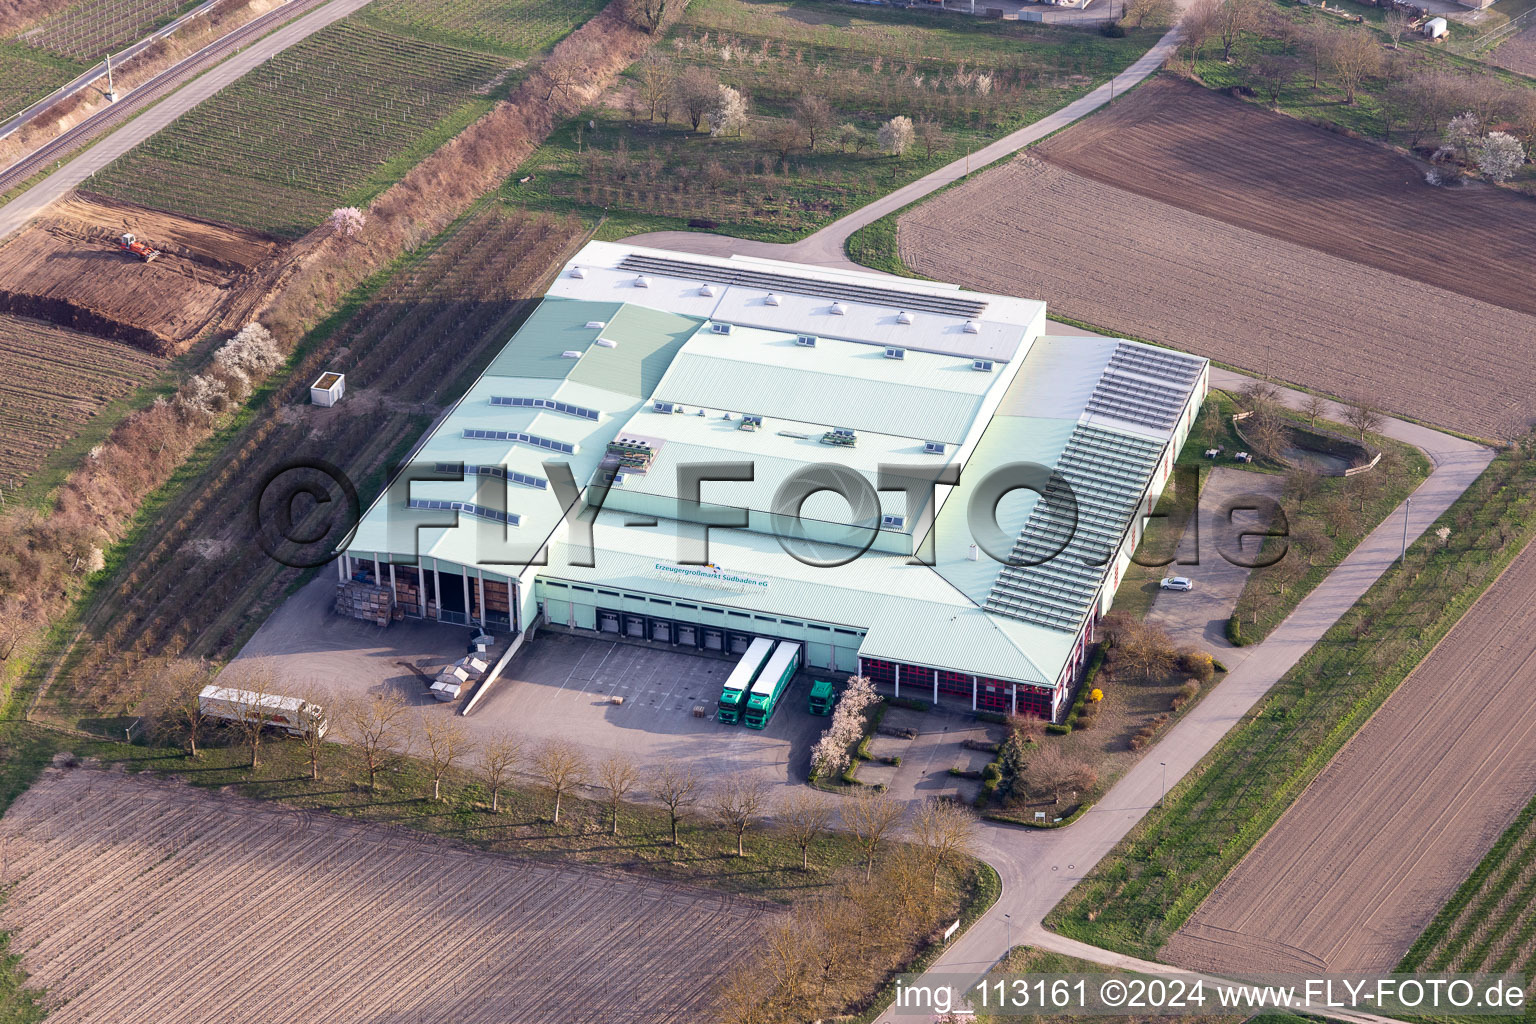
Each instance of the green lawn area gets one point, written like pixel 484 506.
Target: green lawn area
pixel 971 80
pixel 521 29
pixel 28 74
pixel 1159 873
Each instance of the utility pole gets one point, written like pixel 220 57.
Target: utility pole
pixel 111 89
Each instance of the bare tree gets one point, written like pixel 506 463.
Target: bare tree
pixel 677 788
pixel 618 775
pixel 873 818
pixel 558 75
pixel 1313 407
pixel 1364 417
pixel 253 693
pixel 1150 12
pixel 447 742
pixel 318 700
pixel 171 697
pixel 1354 56
pixel 377 725
pixel 498 757
pixel 932 136
pixel 1230 20
pixel 1199 24
pixel 560 766
pixel 1267 430
pixel 650 15
pixel 737 805
pixel 805 817
pixel 815 116
pixel 1258 393
pixel 697 91
pixel 1315 40
pixel 781 135
pixel 1395 24
pixel 1271 73
pixel 945 830
pixel 656 75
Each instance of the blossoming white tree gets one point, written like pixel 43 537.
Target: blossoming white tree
pixel 896 135
pixel 1500 156
pixel 730 113
pixel 831 754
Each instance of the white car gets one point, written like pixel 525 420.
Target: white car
pixel 1177 583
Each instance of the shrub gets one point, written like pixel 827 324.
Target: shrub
pixel 1095 695
pixel 1058 729
pixel 1112 30
pixel 1235 632
pixel 991 773
pixel 909 703
pixel 1195 663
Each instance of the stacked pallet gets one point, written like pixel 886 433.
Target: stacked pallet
pixel 407 593
pixel 365 602
pixel 496 599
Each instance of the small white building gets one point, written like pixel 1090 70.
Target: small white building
pixel 328 389
pixel 1436 28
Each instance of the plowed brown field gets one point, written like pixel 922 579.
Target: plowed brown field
pixel 66 268
pixel 1178 143
pixel 1353 872
pixel 1518 53
pixel 1138 266
pixel 138 900
pixel 54 380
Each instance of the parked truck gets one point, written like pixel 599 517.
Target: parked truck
pixel 823 697
pixel 293 715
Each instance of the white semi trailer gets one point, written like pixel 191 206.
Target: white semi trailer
pixel 293 715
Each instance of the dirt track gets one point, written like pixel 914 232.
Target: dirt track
pixel 66 269
pixel 138 900
pixel 1356 868
pixel 1178 143
pixel 1149 269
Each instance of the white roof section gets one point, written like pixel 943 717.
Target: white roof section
pixel 872 304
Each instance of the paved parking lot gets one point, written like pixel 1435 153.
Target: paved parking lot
pixel 560 687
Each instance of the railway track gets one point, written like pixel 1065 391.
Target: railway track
pixel 149 93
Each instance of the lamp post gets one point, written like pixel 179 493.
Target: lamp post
pixel 1164 797
pixel 1008 924
pixel 1407 507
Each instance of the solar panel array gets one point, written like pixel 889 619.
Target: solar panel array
pixel 468 508
pixel 1137 400
pixel 943 304
pixel 475 434
pixel 1156 362
pixel 546 403
pixel 1057 563
pixel 526 479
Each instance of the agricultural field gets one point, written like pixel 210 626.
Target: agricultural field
pixel 1490 922
pixel 642 158
pixel 513 28
pixel 196 581
pixel 1354 870
pixel 330 122
pixel 27 74
pixel 1471 693
pixel 1518 52
pixel 66 268
pixel 1130 265
pixel 55 381
pixel 89 30
pixel 1174 142
pixel 299 915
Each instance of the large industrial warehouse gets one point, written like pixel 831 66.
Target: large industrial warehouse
pixel 818 407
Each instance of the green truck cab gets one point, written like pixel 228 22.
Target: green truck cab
pixel 823 697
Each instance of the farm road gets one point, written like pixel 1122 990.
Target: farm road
pixel 30 203
pixel 1038 868
pixel 826 247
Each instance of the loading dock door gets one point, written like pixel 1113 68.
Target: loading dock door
pixel 661 630
pixel 714 640
pixel 739 643
pixel 607 621
pixel 634 625
pixel 687 635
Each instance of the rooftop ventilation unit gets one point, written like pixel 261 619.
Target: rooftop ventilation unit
pixel 973 554
pixel 894 522
pixel 596 325
pixel 663 406
pixel 708 289
pixel 972 327
pixel 750 422
pixel 607 343
pixel 843 437
pixel 838 309
pixel 720 328
pixel 771 300
pixel 933 447
pixel 641 281
pixel 895 353
pixel 578 273
pixel 570 353
pixel 805 340
pixel 984 365
pixel 904 317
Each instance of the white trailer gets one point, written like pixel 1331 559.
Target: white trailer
pixel 292 715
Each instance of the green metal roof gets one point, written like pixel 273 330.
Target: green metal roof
pixel 556 326
pixel 646 341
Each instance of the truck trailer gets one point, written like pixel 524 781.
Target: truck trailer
pixel 293 715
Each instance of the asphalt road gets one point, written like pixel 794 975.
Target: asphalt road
pixel 1038 868
pixel 29 204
